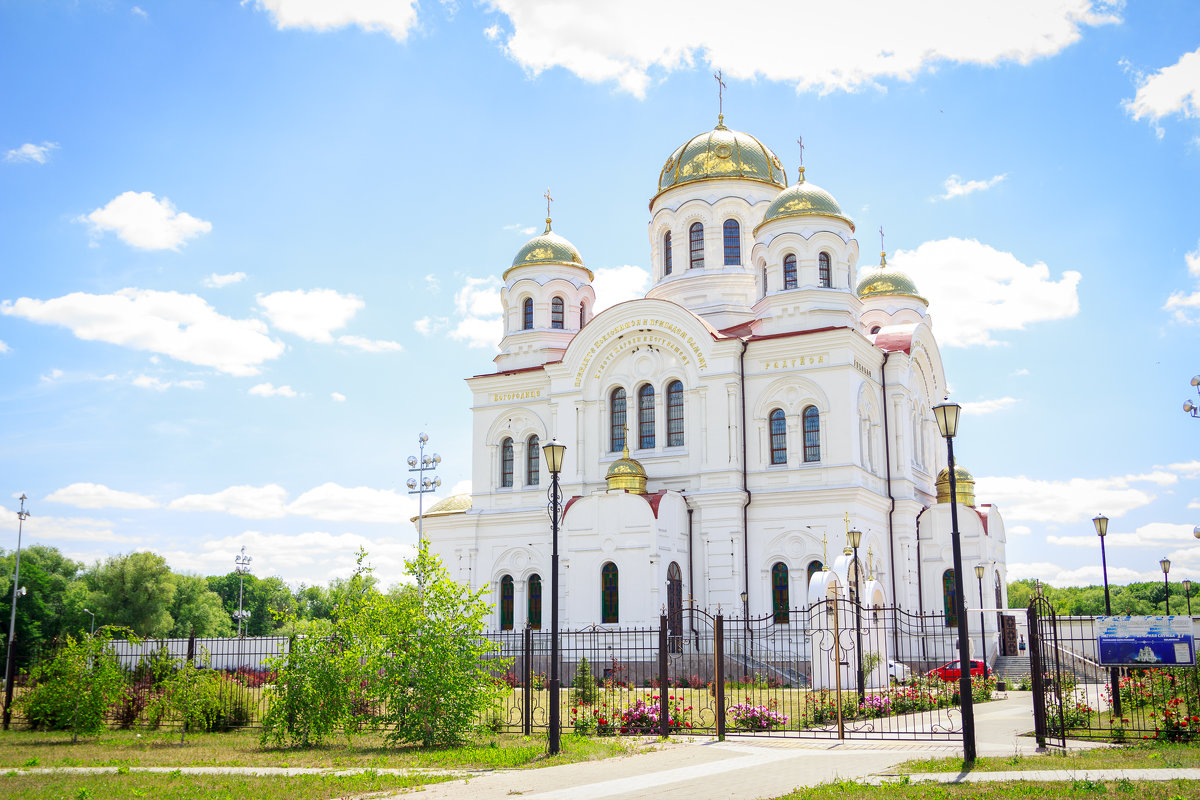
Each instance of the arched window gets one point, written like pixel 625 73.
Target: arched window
pixel 949 599
pixel 616 415
pixel 528 311
pixel 667 253
pixel 779 592
pixel 534 611
pixel 646 417
pixel 823 270
pixel 875 329
pixel 506 462
pixel 778 437
pixel 506 603
pixel 764 281
pixel 582 314
pixel 533 461
pixel 674 608
pixel 812 434
pixel 733 242
pixel 696 246
pixel 813 568
pixel 675 414
pixel 556 313
pixel 609 593
pixel 789 271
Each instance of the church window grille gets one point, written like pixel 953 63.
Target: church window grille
pixel 556 313
pixel 609 593
pixel 733 242
pixel 696 246
pixel 778 437
pixel 779 592
pixel 812 434
pixel 535 602
pixel 949 599
pixel 789 271
pixel 675 414
pixel 823 270
pixel 667 253
pixel 533 461
pixel 646 417
pixel 528 311
pixel 813 568
pixel 616 415
pixel 506 462
pixel 506 603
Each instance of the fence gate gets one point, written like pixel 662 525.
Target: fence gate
pixel 1049 722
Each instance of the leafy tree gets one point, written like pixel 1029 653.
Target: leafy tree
pixel 264 598
pixel 193 694
pixel 134 590
pixel 34 613
pixel 197 608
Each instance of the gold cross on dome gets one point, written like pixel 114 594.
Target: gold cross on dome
pixel 800 141
pixel 720 92
pixel 549 200
pixel 824 550
pixel 880 237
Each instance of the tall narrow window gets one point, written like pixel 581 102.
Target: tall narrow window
pixel 582 314
pixel 764 281
pixel 533 461
pixel 674 608
pixel 675 414
pixel 696 246
pixel 812 434
pixel 506 603
pixel 528 311
pixel 823 270
pixel 779 592
pixel 534 611
pixel 506 462
pixel 609 593
pixel 789 271
pixel 733 242
pixel 778 437
pixel 646 417
pixel 616 414
pixel 667 253
pixel 556 313
pixel 813 568
pixel 949 599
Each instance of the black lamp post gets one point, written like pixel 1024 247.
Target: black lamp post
pixel 554 459
pixel 855 537
pixel 746 626
pixel 1165 563
pixel 1101 523
pixel 1187 593
pixel 10 663
pixel 946 414
pixel 979 570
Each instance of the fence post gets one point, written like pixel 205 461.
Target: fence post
pixel 664 711
pixel 719 684
pixel 1037 677
pixel 527 668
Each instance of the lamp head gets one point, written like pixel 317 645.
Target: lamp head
pixel 412 461
pixel 1188 407
pixel 1196 380
pixel 979 570
pixel 1196 531
pixel 412 483
pixel 1187 586
pixel 1101 523
pixel 437 459
pixel 855 538
pixel 423 438
pixel 946 414
pixel 1165 564
pixel 744 598
pixel 554 451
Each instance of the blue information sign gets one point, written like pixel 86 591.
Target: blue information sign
pixel 1145 641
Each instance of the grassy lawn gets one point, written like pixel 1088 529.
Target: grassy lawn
pixel 1065 790
pixel 1136 756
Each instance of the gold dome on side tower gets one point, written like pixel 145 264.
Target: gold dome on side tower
pixel 627 473
pixel 721 153
pixel 548 248
pixel 804 199
pixel 964 486
pixel 884 281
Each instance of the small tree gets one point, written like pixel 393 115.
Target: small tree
pixel 193 694
pixel 584 683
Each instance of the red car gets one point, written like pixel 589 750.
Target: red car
pixel 950 670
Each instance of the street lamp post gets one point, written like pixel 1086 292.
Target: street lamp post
pixel 554 459
pixel 243 566
pixel 91 632
pixel 1165 563
pixel 1187 593
pixel 421 486
pixel 1101 523
pixel 746 624
pixel 946 414
pixel 855 537
pixel 22 515
pixel 979 570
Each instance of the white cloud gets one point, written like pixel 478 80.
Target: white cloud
pixel 1018 530
pixel 270 390
pixel 617 284
pixel 989 406
pixel 53 375
pixel 956 188
pixel 29 152
pixel 182 326
pixel 393 17
pixel 1056 575
pixel 1186 307
pixel 432 283
pixel 1171 90
pixel 1070 501
pixel 335 503
pixel 371 345
pixel 597 42
pixel 215 281
pixel 427 326
pixel 1189 469
pixel 142 221
pixel 97 495
pixel 249 502
pixel 1154 534
pixel 338 397
pixel 48 529
pixel 527 230
pixel 1194 504
pixel 150 382
pixel 138 12
pixel 4 348
pixel 311 315
pixel 1019 372
pixel 477 305
pixel 975 290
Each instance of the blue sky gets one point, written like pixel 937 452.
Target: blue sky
pixel 250 250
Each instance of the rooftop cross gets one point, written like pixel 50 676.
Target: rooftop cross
pixel 800 141
pixel 720 93
pixel 880 237
pixel 549 200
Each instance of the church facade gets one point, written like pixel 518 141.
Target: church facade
pixel 726 431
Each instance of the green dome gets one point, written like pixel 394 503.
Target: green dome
pixel 804 199
pixel 721 153
pixel 549 248
pixel 884 281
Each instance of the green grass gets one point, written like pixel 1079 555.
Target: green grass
pixel 1135 756
pixel 1064 790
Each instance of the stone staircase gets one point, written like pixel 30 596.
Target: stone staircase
pixel 1011 669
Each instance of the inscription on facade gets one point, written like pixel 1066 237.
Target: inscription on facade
pixel 795 362
pixel 863 368
pixel 528 394
pixel 638 332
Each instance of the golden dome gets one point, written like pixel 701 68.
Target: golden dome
pixel 804 199
pixel 884 281
pixel 721 153
pixel 548 248
pixel 964 486
pixel 627 473
pixel 454 504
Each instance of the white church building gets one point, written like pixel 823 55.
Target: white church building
pixel 724 432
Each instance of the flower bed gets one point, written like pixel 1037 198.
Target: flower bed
pixel 749 717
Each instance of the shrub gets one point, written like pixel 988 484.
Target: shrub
pixel 643 715
pixel 155 667
pixel 584 682
pixel 193 695
pixel 74 689
pixel 748 717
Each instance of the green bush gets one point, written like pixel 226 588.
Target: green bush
pixel 74 689
pixel 155 667
pixel 584 683
pixel 193 696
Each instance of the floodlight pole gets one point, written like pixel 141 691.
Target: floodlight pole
pixel 421 486
pixel 243 566
pixel 9 661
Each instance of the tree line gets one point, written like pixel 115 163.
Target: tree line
pixel 1134 599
